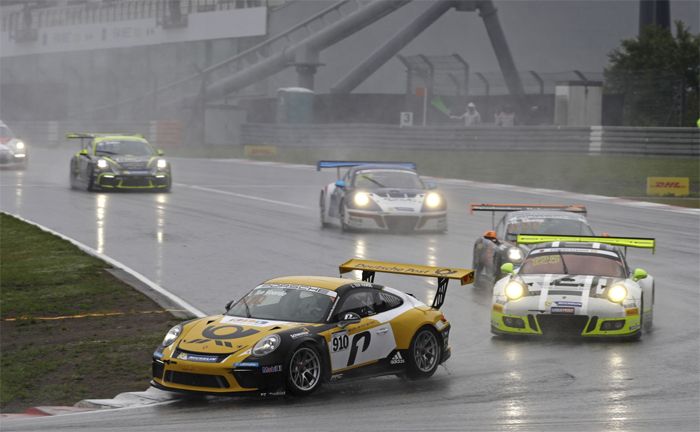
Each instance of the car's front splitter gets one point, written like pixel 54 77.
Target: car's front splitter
pixel 120 181
pixel 383 221
pixel 538 324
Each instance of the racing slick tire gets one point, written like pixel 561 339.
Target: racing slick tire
pixel 423 354
pixel 648 319
pixel 71 177
pixel 343 226
pixel 324 223
pixel 305 372
pixel 478 269
pixel 91 181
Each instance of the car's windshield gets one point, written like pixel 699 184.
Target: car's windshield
pixel 574 264
pixel 123 147
pixel 285 303
pixel 548 226
pixel 377 179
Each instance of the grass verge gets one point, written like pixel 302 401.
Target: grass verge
pixel 61 361
pixel 611 175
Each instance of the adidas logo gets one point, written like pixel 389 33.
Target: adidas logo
pixel 397 359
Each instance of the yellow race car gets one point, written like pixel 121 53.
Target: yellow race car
pixel 296 333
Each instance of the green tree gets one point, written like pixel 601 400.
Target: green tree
pixel 658 75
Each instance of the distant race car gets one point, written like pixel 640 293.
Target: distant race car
pixel 385 196
pixel 118 162
pixel 497 246
pixel 13 151
pixel 296 333
pixel 574 286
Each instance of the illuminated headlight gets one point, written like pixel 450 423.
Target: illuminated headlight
pixel 266 345
pixel 361 199
pixel 172 334
pixel 617 293
pixel 433 200
pixel 515 254
pixel 514 290
pixel 19 145
pixel 162 164
pixel 102 164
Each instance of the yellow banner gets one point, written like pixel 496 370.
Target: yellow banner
pixel 665 186
pixel 259 150
pixel 465 276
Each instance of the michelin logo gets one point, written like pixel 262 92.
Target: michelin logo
pixel 397 359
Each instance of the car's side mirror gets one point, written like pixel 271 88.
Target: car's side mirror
pixel 430 185
pixel 507 268
pixel 490 235
pixel 349 318
pixel 340 184
pixel 639 274
pixel 228 305
pixel 83 152
pixel 160 152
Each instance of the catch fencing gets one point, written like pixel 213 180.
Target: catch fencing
pixel 592 140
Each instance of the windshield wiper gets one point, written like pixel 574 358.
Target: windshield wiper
pixel 563 263
pixel 106 152
pixel 373 181
pixel 247 309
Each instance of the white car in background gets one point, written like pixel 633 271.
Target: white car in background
pixel 383 196
pixel 13 151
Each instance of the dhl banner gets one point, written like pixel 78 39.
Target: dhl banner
pixel 665 186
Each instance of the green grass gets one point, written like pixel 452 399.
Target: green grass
pixel 611 175
pixel 60 362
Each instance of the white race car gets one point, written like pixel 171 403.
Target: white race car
pixel 385 196
pixel 13 152
pixel 574 285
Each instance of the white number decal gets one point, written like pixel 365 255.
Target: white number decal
pixel 340 341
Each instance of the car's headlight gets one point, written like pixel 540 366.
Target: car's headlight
pixel 162 164
pixel 361 199
pixel 19 145
pixel 172 334
pixel 617 293
pixel 102 164
pixel 266 345
pixel 515 290
pixel 433 200
pixel 515 254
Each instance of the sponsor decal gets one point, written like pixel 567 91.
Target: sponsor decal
pixel 275 393
pixel 246 364
pixel 318 290
pixel 569 303
pixel 227 332
pixel 397 359
pixel 271 369
pixel 302 333
pixel 660 186
pixel 198 358
pixel 563 310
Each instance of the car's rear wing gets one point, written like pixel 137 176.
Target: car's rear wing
pixel 635 242
pixel 349 164
pixel 443 274
pixel 90 135
pixel 493 208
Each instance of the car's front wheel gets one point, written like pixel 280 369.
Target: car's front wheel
pixel 424 354
pixel 305 371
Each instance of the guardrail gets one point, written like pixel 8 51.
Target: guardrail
pixel 591 140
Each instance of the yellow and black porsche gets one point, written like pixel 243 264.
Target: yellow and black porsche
pixel 292 334
pixel 118 162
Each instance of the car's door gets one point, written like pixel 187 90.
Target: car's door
pixel 362 343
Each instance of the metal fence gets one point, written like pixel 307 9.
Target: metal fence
pixel 591 140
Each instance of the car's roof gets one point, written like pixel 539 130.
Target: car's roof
pixel 544 214
pixel 329 283
pixel 101 138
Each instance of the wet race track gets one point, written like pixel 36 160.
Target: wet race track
pixel 229 225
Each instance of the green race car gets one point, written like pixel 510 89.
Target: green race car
pixel 118 162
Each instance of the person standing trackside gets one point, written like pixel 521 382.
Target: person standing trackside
pixel 471 116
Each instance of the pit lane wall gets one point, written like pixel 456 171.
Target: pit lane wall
pixel 684 142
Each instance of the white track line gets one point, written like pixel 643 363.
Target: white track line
pixel 114 263
pixel 239 195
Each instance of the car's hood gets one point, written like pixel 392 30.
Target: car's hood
pixel 224 334
pixel 122 159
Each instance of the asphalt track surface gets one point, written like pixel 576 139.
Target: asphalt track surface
pixel 229 225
